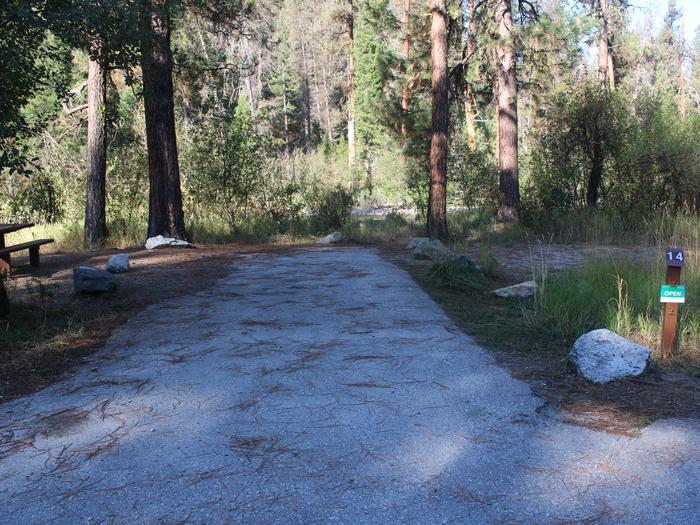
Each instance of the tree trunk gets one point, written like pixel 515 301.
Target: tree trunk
pixel 286 117
pixel 4 300
pixel 307 101
pixel 681 81
pixel 351 87
pixel 603 45
pixel 406 56
pixel 596 175
pixel 507 117
pixel 317 94
pixel 95 229
pixel 437 202
pixel 469 117
pixel 165 215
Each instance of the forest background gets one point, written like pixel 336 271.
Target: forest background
pixel 271 120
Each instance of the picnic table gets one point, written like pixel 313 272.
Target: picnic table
pixel 32 246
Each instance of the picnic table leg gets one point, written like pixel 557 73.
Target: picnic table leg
pixel 4 259
pixel 34 256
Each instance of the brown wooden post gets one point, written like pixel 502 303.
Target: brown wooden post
pixel 669 339
pixel 34 256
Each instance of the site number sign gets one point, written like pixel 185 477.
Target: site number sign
pixel 675 258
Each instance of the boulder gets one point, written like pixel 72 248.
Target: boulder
pixel 602 356
pixel 525 289
pixel 159 241
pixel 465 262
pixel 118 263
pixel 331 238
pixel 88 279
pixel 429 249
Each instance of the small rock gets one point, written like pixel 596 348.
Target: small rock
pixel 465 262
pixel 88 279
pixel 161 242
pixel 602 356
pixel 429 248
pixel 526 289
pixel 331 239
pixel 118 263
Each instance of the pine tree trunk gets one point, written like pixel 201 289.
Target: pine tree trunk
pixel 681 82
pixel 317 95
pixel 351 87
pixel 603 46
pixel 307 101
pixel 286 117
pixel 165 214
pixel 437 202
pixel 406 56
pixel 95 229
pixel 596 175
pixel 469 117
pixel 507 117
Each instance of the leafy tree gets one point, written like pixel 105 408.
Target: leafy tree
pixel 375 62
pixel 225 164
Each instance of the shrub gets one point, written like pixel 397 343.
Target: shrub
pixel 330 208
pixel 452 275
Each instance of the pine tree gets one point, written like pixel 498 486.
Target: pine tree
pixel 165 215
pixel 437 196
pixel 509 202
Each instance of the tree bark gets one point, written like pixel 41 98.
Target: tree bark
pixel 603 45
pixel 469 117
pixel 351 87
pixel 509 199
pixel 596 175
pixel 406 56
pixel 307 101
pixel 95 228
pixel 437 201
pixel 165 214
pixel 681 81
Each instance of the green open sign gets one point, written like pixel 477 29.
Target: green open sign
pixel 672 293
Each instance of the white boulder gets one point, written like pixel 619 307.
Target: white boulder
pixel 331 238
pixel 429 248
pixel 525 289
pixel 162 242
pixel 118 263
pixel 88 279
pixel 602 356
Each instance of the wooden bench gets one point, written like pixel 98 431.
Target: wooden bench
pixel 32 246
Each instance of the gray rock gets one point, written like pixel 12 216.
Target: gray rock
pixel 162 242
pixel 525 289
pixel 88 279
pixel 602 356
pixel 118 263
pixel 331 238
pixel 465 262
pixel 429 248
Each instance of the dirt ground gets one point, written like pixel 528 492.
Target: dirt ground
pixel 155 276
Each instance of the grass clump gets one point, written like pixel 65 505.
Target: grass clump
pixel 451 274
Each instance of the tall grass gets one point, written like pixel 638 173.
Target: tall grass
pixel 622 296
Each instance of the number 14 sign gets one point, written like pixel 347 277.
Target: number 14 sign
pixel 675 258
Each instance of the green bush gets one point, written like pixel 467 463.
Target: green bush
pixel 330 208
pixel 451 275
